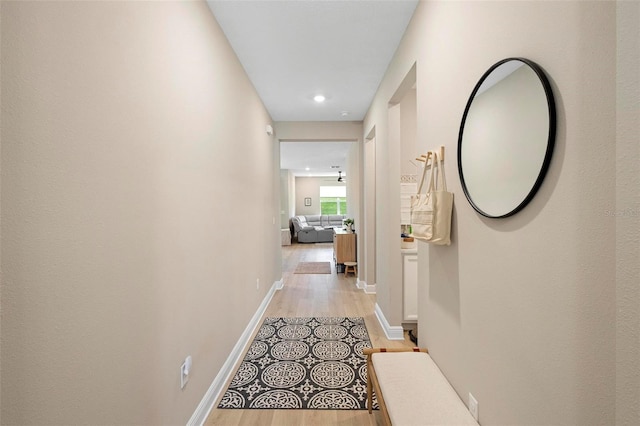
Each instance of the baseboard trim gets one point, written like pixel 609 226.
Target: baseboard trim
pixel 217 386
pixel 392 332
pixel 368 289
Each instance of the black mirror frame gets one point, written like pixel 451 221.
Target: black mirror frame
pixel 550 140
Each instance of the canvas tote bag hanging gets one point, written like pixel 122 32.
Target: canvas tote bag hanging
pixel 431 212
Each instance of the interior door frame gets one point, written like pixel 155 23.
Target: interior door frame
pixel 369 210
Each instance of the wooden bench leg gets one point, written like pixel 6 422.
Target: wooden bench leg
pixel 369 388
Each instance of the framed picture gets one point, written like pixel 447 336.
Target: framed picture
pixel 307 202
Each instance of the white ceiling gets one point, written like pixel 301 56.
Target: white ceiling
pixel 293 50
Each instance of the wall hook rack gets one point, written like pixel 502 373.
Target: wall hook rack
pixel 425 158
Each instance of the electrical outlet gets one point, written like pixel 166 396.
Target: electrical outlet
pixel 473 406
pixel 185 369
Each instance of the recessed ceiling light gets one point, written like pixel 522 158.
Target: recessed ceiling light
pixel 319 98
pixel 344 113
pixel 307 169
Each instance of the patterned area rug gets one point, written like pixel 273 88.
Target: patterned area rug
pixel 313 268
pixel 303 363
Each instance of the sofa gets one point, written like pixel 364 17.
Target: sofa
pixel 316 228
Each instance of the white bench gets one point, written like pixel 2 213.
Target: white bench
pixel 411 389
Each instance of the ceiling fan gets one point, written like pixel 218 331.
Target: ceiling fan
pixel 341 179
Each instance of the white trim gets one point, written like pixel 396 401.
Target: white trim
pixel 392 332
pixel 370 289
pixel 217 386
pixel 279 285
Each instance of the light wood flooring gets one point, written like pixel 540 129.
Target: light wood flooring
pixel 314 295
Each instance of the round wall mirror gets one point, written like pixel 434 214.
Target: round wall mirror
pixel 506 137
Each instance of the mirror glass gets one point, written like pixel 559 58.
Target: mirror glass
pixel 506 137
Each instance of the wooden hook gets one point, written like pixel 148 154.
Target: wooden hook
pixel 424 158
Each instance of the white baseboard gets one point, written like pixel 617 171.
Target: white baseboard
pixel 217 386
pixel 392 332
pixel 279 285
pixel 368 289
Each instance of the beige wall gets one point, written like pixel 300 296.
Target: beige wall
pixel 354 185
pixel 134 157
pixel 367 238
pixel 389 261
pixel 627 217
pixel 287 197
pixel 521 312
pixel 318 130
pixel 408 126
pixel 1 281
pixel 309 187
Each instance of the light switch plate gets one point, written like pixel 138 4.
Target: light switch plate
pixel 185 369
pixel 473 406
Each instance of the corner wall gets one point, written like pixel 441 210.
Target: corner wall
pixel 134 160
pixel 627 214
pixel 520 311
pixel 287 197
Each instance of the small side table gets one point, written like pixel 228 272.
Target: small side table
pixel 344 248
pixel 285 237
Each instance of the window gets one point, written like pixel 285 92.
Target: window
pixel 333 199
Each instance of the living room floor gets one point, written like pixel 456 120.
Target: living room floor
pixel 306 295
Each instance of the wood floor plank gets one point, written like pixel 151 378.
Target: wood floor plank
pixel 308 295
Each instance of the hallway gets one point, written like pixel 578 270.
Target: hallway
pixel 313 295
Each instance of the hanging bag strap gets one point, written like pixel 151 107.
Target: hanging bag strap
pixel 440 182
pixel 424 172
pixel 433 186
pixel 442 174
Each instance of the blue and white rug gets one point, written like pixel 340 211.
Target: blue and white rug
pixel 303 363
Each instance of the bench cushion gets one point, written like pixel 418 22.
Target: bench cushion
pixel 416 392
